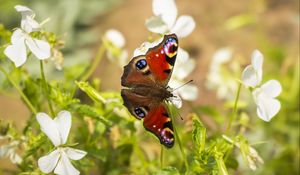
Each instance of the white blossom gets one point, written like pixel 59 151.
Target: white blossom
pixel 9 150
pixel 264 95
pixel 115 42
pixel 17 51
pixel 164 21
pixel 218 79
pixel 57 130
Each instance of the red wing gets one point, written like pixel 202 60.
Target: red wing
pixel 153 68
pixel 159 123
pixel 155 115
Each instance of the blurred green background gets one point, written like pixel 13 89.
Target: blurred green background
pixel 272 26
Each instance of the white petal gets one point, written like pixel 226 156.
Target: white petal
pixel 63 123
pixel 271 88
pixel 182 55
pixel 166 9
pixel 142 50
pixel 115 37
pixel 49 127
pixel 64 166
pixel 41 49
pixel 222 55
pixel 156 25
pixel 25 11
pixel 257 62
pixel 183 26
pixel 176 100
pixel 29 24
pixel 182 70
pixel 17 36
pixel 17 51
pixel 267 107
pixel 250 77
pixel 75 154
pixel 47 163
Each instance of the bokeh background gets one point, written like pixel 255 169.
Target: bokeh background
pixel 272 26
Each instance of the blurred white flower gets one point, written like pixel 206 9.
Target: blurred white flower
pixel 21 38
pixel 264 95
pixel 218 79
pixel 164 21
pixel 249 154
pixel 9 150
pixel 57 131
pixel 115 42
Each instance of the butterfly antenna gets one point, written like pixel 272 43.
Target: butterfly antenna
pixel 183 85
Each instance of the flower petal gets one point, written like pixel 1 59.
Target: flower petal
pixel 17 51
pixel 222 55
pixel 176 100
pixel 257 62
pixel 41 49
pixel 249 76
pixel 188 92
pixel 166 9
pixel 64 166
pixel 271 88
pixel 156 25
pixel 75 154
pixel 184 26
pixel 49 127
pixel 115 37
pixel 182 70
pixel 47 163
pixel 28 23
pixel 142 50
pixel 267 107
pixel 182 55
pixel 63 123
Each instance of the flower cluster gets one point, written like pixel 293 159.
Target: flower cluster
pixel 57 131
pixel 21 38
pixel 264 94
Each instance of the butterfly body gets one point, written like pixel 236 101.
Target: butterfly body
pixel 146 78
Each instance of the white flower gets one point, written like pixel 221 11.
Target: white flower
pixel 9 150
pixel 164 21
pixel 264 95
pixel 16 52
pixel 115 42
pixel 57 131
pixel 249 154
pixel 218 79
pixel 252 74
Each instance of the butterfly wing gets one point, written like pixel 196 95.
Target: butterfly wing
pixel 155 115
pixel 153 68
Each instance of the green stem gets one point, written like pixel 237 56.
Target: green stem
pixel 162 156
pixel 233 116
pixel 45 87
pixel 180 146
pixel 28 103
pixel 94 64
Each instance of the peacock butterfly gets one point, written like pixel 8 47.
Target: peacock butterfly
pixel 146 78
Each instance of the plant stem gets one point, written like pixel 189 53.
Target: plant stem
pixel 26 100
pixel 180 146
pixel 233 116
pixel 45 87
pixel 161 156
pixel 94 64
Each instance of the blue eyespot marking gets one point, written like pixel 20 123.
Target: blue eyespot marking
pixel 140 112
pixel 141 64
pixel 170 47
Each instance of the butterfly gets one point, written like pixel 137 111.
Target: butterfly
pixel 146 78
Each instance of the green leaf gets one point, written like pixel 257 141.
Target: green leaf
pixel 168 171
pixel 199 134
